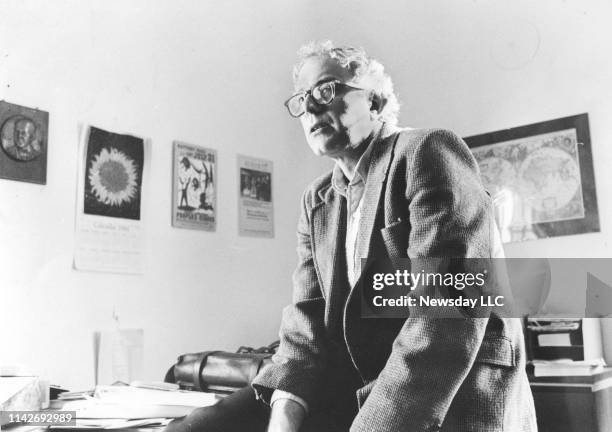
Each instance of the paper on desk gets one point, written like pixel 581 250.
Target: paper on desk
pixel 125 402
pixel 554 339
pixel 93 409
pixel 112 424
pixel 128 394
pixel 566 367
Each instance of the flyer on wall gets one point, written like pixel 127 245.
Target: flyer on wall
pixel 194 196
pixel 255 208
pixel 109 224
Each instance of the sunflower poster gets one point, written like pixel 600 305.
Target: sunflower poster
pixel 194 192
pixel 110 235
pixel 114 174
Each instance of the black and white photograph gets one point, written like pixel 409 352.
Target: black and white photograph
pixel 306 216
pixel 255 185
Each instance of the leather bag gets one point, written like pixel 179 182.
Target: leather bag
pixel 219 371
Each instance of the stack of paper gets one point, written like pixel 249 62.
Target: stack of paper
pixel 112 406
pixel 114 424
pixel 74 395
pixel 148 396
pixel 567 367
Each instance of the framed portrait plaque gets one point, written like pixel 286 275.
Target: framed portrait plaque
pixel 540 177
pixel 23 143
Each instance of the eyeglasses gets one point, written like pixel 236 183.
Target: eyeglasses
pixel 322 94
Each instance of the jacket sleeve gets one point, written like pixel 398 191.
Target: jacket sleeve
pixel 298 365
pixel 449 216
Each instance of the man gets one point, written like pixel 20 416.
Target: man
pixel 392 194
pixel 25 145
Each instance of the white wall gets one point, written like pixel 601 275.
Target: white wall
pixel 477 66
pixel 215 74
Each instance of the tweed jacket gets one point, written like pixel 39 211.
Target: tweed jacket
pixel 423 198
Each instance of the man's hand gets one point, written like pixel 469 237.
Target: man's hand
pixel 286 416
pixel 205 419
pixel 210 419
pixel 178 425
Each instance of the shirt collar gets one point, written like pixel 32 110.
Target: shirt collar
pixel 339 181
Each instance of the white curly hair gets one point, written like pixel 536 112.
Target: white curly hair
pixel 367 73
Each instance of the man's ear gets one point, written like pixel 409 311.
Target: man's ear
pixel 377 103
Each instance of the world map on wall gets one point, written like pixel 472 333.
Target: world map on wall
pixel 532 180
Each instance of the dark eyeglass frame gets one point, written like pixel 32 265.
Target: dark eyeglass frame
pixel 305 94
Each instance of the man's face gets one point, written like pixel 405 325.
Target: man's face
pixel 25 132
pixel 346 122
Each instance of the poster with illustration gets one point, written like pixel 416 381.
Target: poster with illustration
pixel 194 191
pixel 109 222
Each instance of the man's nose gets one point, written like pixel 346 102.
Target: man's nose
pixel 311 106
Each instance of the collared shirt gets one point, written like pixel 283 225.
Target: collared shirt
pixel 281 394
pixel 353 192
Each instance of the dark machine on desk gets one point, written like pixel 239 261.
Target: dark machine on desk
pixel 571 388
pixel 555 338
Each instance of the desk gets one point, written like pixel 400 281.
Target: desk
pixel 574 404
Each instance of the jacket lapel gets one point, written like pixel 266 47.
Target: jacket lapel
pixel 371 204
pixel 328 218
pixel 328 233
